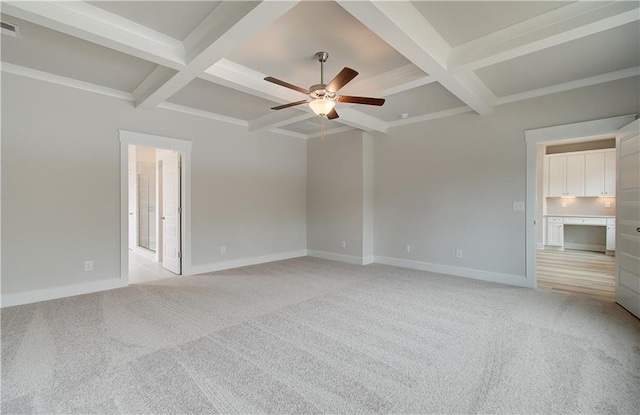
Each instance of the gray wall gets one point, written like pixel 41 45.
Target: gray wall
pixel 335 194
pixel 61 185
pixel 450 183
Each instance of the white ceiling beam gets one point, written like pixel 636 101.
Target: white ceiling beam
pixel 574 21
pixel 98 26
pixel 403 27
pixel 567 86
pixel 278 119
pixel 228 25
pixel 390 82
pixel 243 79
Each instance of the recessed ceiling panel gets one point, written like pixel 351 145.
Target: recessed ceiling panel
pixel 172 18
pixel 414 102
pixel 221 100
pixel 461 21
pixel 597 54
pixel 60 54
pixel 312 126
pixel 286 49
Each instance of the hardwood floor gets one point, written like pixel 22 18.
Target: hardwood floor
pixel 578 272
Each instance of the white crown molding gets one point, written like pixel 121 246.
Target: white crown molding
pixel 201 113
pixel 567 86
pixel 79 19
pixel 282 131
pixel 61 80
pixel 431 116
pixel 567 23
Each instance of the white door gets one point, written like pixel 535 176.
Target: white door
pixel 628 219
pixel 171 211
pixel 133 199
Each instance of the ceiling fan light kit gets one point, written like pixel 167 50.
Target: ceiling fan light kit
pixel 323 97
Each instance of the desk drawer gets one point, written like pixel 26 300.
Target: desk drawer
pixel 586 221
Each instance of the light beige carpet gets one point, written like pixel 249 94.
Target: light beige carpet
pixel 314 336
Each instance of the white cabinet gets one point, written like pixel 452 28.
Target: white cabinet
pixel 611 234
pixel 555 231
pixel 566 175
pixel 600 172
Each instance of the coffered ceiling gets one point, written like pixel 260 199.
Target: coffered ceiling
pixel 429 59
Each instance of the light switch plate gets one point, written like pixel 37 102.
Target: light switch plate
pixel 518 205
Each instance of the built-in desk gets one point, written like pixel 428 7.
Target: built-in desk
pixel 558 226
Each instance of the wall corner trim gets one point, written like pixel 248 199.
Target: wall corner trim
pixel 510 279
pixel 53 293
pixel 243 262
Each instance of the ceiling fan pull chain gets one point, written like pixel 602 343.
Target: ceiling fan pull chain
pixel 322 123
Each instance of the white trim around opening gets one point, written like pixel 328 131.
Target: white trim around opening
pixel 603 128
pixel 150 140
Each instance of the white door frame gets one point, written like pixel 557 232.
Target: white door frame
pixel 603 128
pixel 151 140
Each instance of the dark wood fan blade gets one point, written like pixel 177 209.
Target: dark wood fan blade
pixel 341 79
pixel 332 114
pixel 291 104
pixel 286 85
pixel 361 100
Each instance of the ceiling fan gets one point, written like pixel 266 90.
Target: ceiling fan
pixel 323 97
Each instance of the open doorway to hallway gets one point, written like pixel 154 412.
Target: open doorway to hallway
pixel 154 210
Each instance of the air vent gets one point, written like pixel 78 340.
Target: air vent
pixel 10 29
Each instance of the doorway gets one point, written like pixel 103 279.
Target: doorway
pixel 155 179
pixel 154 209
pixel 541 230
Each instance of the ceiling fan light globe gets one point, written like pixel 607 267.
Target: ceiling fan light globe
pixel 322 106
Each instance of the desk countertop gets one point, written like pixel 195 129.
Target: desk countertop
pixel 580 216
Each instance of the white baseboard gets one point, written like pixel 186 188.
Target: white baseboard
pixel 585 247
pixel 511 279
pixel 44 294
pixel 243 262
pixel 349 259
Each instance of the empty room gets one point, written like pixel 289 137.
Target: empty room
pixel 293 207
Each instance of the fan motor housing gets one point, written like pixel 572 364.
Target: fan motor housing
pixel 319 91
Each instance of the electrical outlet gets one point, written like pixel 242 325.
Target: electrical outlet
pixel 607 204
pixel 458 253
pixel 564 204
pixel 223 249
pixel 88 265
pixel 344 244
pixel 518 205
pixel 407 248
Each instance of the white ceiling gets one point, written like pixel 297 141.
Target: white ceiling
pixel 429 59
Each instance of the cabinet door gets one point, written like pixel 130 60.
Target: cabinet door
pixel 610 173
pixel 575 175
pixel 556 176
pixel 594 172
pixel 611 238
pixel 555 234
